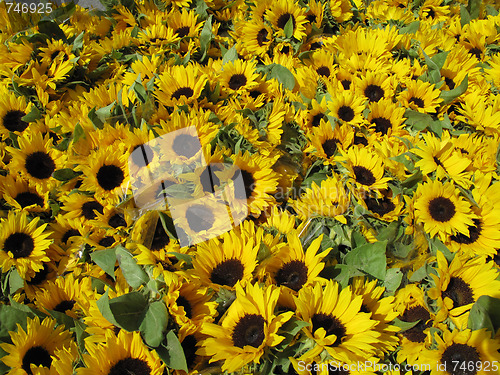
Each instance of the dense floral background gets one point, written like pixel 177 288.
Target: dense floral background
pixel 366 134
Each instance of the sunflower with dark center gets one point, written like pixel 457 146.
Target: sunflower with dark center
pixel 442 210
pixel 23 244
pixel 190 305
pixel 347 106
pixel 294 267
pixel 334 327
pixel 459 284
pixel 239 76
pixel 463 352
pixel 124 353
pixel 225 261
pixel 366 169
pixel 283 12
pixel 247 330
pixel 42 344
pixel 180 85
pixel 420 96
pixel 12 111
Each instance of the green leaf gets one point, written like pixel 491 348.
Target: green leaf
pixel 405 326
pixel 78 42
pixel 473 8
pixel 51 29
pixel 34 115
pixel 289 28
pixel 126 311
pixel 230 55
pixel 96 121
pixel 184 257
pixel 340 273
pixel 78 133
pixel 393 279
pixel 154 323
pixel 206 37
pixel 9 317
pixel 439 59
pixel 62 318
pixel 283 76
pixel 369 258
pixel 449 96
pixel 65 174
pixel 105 112
pixel 132 272
pixel 106 259
pixel 15 281
pixel 418 121
pixel 418 275
pixel 485 313
pixel 140 92
pixel 464 15
pixel 412 28
pixel 81 334
pixel 436 127
pixel 172 353
pixel 413 180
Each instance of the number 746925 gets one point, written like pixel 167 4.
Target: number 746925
pixel 29 8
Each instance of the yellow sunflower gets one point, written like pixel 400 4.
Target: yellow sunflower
pixel 179 85
pixel 42 344
pixel 238 76
pixel 12 110
pixel 375 86
pixel 463 352
pixel 386 117
pixel 459 284
pixel 21 195
pixel 281 12
pixel 327 141
pixel 122 353
pixel 346 105
pixel 247 330
pixel 337 323
pixel 442 210
pixel 256 37
pixel 23 245
pixel 36 160
pixel 420 96
pixel 226 261
pixel 295 268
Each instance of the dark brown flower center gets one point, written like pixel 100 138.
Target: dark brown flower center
pixel 200 218
pixel 28 198
pixel 441 209
pixel 12 121
pixel 130 366
pixel 419 102
pixel 186 145
pixel 330 147
pixel 382 124
pixel 248 181
pixel 208 179
pixel 379 206
pixel 323 71
pixel 236 81
pixel 459 292
pixel 40 165
pixel 249 331
pixel 19 244
pixel 228 272
pixel 89 207
pixel 346 113
pixel 458 359
pixel 182 301
pixel 331 324
pixel 64 306
pixel 37 355
pixel 346 84
pixel 363 175
pixel 262 37
pixel 160 237
pixel 316 120
pixel 476 52
pixel 110 177
pixel 107 241
pixel 474 233
pixel 116 221
pixel 374 93
pixel 414 314
pixel 69 233
pixel 283 20
pixel 40 276
pixel 182 31
pixel 183 91
pixel 190 348
pixel 449 82
pixel 292 274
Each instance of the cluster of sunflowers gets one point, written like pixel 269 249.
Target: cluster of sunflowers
pixel 362 236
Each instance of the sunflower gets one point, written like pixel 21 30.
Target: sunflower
pixel 189 304
pixel 106 174
pixel 238 76
pixel 12 110
pixel 21 195
pixel 281 12
pixel 386 117
pixel 459 284
pixel 323 63
pixel 124 353
pixel 42 344
pixel 463 352
pixel 329 199
pixel 386 207
pixel 441 209
pixel 55 49
pixel 255 37
pixel 165 265
pixel 23 245
pixel 326 141
pixel 247 330
pixel 83 207
pixel 66 234
pixel 420 96
pixel 375 87
pixel 66 295
pixel 366 169
pixel 180 147
pixel 179 85
pixel 36 160
pixel 411 306
pixel 382 309
pixel 337 323
pixel 346 105
pixel 226 261
pixel 295 268
pixel 184 23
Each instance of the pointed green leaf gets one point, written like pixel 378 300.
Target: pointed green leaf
pixel 132 272
pixel 106 259
pixel 154 324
